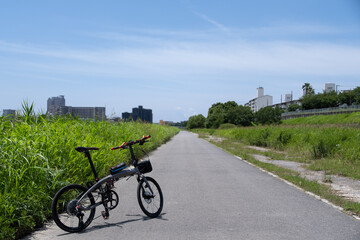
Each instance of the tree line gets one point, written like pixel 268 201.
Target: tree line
pixel 231 114
pixel 310 100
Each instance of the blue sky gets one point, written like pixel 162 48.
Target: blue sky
pixel 175 57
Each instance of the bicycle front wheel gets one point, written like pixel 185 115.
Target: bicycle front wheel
pixel 150 197
pixel 65 213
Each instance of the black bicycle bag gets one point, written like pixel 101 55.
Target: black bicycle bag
pixel 117 168
pixel 144 166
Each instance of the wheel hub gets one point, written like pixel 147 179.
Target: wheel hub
pixel 71 207
pixel 148 197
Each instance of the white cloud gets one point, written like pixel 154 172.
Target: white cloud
pixel 156 55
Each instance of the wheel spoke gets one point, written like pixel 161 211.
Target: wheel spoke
pixel 65 213
pixel 150 197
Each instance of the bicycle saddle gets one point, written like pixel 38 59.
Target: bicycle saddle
pixel 85 149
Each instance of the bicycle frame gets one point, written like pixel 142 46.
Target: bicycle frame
pixel 127 172
pixel 75 213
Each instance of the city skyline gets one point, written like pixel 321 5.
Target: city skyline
pixel 177 61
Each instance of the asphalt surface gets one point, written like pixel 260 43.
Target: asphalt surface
pixel 210 194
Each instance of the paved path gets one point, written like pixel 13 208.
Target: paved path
pixel 210 194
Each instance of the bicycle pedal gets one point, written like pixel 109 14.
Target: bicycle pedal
pixel 105 215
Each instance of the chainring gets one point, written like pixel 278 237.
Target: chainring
pixel 110 199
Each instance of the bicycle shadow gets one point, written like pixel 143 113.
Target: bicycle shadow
pixel 118 224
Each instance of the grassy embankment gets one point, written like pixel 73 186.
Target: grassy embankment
pixel 37 158
pixel 328 143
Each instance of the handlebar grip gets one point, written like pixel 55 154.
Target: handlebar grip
pixel 144 138
pixel 124 145
pixel 121 146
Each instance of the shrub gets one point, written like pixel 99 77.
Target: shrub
pixel 197 121
pixel 227 126
pixel 268 115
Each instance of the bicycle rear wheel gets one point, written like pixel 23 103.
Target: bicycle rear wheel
pixel 151 203
pixel 64 210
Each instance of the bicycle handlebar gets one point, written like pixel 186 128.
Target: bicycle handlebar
pixel 124 145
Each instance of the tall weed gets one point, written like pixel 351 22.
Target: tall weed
pixel 311 142
pixel 37 158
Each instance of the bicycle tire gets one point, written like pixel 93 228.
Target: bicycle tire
pixel 150 205
pixel 64 211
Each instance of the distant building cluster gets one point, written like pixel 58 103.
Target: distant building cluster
pixel 9 112
pixel 139 113
pixel 165 123
pixel 56 106
pixel 262 100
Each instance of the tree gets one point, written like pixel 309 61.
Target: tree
pixel 328 100
pixel 345 97
pixel 233 113
pixel 350 97
pixel 242 116
pixel 268 115
pixel 293 107
pixel 229 112
pixel 216 116
pixel 197 121
pixel 320 100
pixel 308 90
pixel 356 95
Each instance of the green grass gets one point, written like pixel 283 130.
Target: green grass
pixel 37 158
pixel 346 118
pixel 335 149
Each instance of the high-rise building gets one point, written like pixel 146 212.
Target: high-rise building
pixel 288 97
pixel 139 113
pixel 143 114
pixel 126 116
pixel 97 113
pixel 56 106
pixel 329 87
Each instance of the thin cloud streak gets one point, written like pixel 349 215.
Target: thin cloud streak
pixel 273 57
pixel 213 22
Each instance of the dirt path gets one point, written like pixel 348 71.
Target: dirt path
pixel 345 187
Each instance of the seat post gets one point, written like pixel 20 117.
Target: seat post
pixel 87 154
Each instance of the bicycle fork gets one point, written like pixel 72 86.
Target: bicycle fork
pixel 146 194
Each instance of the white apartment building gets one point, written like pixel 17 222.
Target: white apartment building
pixel 329 87
pixel 288 97
pixel 56 106
pixel 261 101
